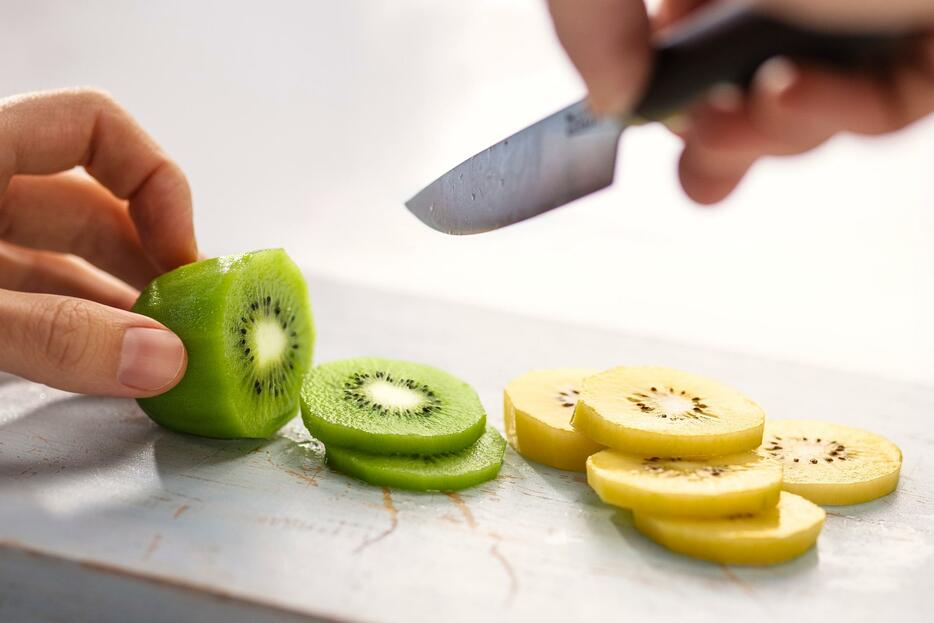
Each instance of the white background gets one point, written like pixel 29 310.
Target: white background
pixel 306 125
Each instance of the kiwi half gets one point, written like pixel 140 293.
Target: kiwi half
pixel 383 406
pixel 477 463
pixel 246 323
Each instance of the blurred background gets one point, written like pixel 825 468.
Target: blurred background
pixel 306 124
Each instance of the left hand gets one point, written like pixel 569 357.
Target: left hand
pixel 63 322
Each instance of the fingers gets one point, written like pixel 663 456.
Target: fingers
pixel 55 131
pixel 912 84
pixel 74 343
pixel 68 214
pixel 26 270
pixel 670 11
pixel 720 144
pixel 800 106
pixel 608 42
pixel 855 14
pixel 791 109
pixel 85 347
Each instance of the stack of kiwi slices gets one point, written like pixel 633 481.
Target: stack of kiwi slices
pixel 401 424
pixel 246 324
pixel 686 455
pixel 247 327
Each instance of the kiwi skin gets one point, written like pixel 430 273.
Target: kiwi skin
pixel 194 302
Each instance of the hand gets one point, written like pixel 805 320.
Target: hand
pixel 789 109
pixel 63 321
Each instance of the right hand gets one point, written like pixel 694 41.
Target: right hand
pixel 62 322
pixel 789 109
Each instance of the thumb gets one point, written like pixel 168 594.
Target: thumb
pixel 608 42
pixel 85 347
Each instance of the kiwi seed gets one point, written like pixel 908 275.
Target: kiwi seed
pixel 660 405
pixel 568 397
pixel 354 392
pixel 273 379
pixel 813 451
pixel 662 467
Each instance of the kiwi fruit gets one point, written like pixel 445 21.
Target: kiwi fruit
pixel 716 487
pixel 383 406
pixel 450 471
pixel 652 411
pixel 537 413
pixel 832 463
pixel 247 326
pixel 769 537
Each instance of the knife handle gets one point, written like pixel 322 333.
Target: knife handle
pixel 727 43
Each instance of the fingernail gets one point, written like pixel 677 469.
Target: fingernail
pixel 725 98
pixel 776 75
pixel 150 358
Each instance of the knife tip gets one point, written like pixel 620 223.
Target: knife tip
pixel 418 209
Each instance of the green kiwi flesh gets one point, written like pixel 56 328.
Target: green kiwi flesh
pixel 383 406
pixel 443 472
pixel 247 326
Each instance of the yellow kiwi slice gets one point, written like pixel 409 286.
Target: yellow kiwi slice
pixel 537 412
pixel 831 463
pixel 772 536
pixel 663 412
pixel 717 487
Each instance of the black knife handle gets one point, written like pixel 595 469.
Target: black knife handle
pixel 727 43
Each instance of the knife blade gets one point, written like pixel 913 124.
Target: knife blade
pixel 572 153
pixel 562 157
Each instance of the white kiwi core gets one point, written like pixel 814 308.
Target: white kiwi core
pixel 393 396
pixel 271 342
pixel 674 404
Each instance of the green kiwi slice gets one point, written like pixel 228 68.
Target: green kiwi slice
pixel 383 406
pixel 441 472
pixel 246 323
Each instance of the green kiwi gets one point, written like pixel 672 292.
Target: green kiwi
pixel 246 323
pixel 384 406
pixel 442 472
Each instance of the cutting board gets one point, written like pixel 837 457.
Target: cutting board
pixel 106 517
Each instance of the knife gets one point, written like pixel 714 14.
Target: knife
pixel 572 153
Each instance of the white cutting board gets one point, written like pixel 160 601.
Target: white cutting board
pixel 106 517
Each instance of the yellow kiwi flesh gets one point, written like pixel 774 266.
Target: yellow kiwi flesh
pixel 765 538
pixel 537 413
pixel 831 463
pixel 653 411
pixel 716 487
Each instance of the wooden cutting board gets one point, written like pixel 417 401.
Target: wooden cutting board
pixel 106 517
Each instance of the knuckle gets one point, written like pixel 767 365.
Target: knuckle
pixel 16 269
pixel 92 102
pixel 7 166
pixel 96 97
pixel 6 217
pixel 12 202
pixel 63 332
